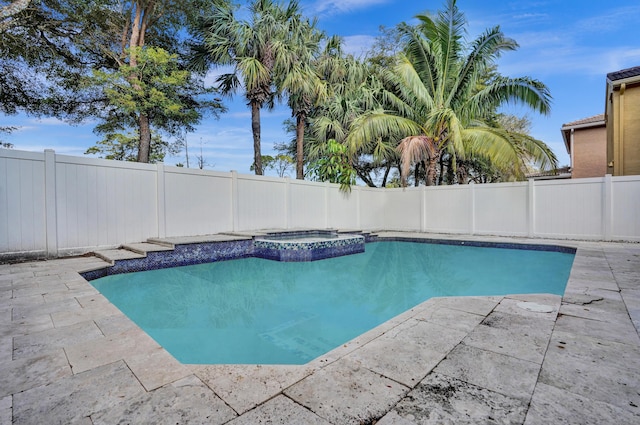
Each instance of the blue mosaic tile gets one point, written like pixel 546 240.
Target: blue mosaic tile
pixel 317 253
pixel 182 255
pixel 483 244
pixel 273 247
pixel 284 250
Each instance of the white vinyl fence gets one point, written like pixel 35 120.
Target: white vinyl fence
pixel 53 205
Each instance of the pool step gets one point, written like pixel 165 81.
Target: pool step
pixel 143 248
pixel 130 251
pixel 140 250
pixel 112 255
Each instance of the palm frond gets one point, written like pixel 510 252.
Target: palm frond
pixel 414 149
pixel 523 90
pixel 410 82
pixel 370 126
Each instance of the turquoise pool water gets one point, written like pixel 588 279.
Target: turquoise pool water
pixel 260 311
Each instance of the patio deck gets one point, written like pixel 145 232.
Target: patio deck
pixel 69 356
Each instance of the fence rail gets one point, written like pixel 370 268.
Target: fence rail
pixel 53 205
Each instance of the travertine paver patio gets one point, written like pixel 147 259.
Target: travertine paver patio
pixel 68 356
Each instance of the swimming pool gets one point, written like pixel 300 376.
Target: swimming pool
pixel 256 311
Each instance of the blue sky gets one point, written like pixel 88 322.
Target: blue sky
pixel 569 45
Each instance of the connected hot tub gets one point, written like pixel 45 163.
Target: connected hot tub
pixel 306 245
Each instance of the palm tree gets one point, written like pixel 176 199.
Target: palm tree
pixel 301 83
pixel 437 99
pixel 257 49
pixel 351 90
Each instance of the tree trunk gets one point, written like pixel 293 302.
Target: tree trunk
pixel 462 174
pixel 255 128
pixel 144 146
pixel 144 130
pixel 431 171
pixel 386 175
pixel 300 119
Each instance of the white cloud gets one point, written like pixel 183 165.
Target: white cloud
pixel 569 60
pixel 358 45
pixel 611 21
pixel 47 121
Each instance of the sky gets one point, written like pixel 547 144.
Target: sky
pixel 569 45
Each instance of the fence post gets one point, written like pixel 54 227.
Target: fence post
pixel 326 204
pixel 531 208
pixel 607 205
pixel 234 200
pixel 472 193
pixel 287 202
pixel 423 209
pixel 50 204
pixel 160 199
pixel 358 208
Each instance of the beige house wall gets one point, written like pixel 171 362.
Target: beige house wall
pixel 623 130
pixel 589 152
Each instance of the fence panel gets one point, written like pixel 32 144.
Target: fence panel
pixel 373 209
pixel 625 216
pixel 569 209
pixel 447 209
pixel 261 203
pixel 104 203
pixel 307 204
pixel 197 202
pixel 22 202
pixel 501 209
pixel 403 209
pixel 342 209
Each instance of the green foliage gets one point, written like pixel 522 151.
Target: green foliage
pixel 333 166
pixel 281 163
pixel 7 130
pixel 259 49
pixel 156 87
pixel 441 95
pixel 49 48
pixel 124 147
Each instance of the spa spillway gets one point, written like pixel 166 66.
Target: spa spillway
pixel 307 246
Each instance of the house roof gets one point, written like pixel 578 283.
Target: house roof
pixel 624 73
pixel 594 121
pixel 559 173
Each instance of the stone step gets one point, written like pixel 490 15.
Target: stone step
pixel 144 247
pixel 112 255
pixel 183 240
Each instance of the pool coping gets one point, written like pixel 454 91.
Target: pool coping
pixel 162 253
pixel 64 336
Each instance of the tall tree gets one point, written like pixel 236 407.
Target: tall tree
pixel 352 87
pixel 49 46
pixel 300 83
pixel 156 88
pixel 257 49
pixel 436 100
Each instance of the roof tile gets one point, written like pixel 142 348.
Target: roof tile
pixel 624 73
pixel 593 119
